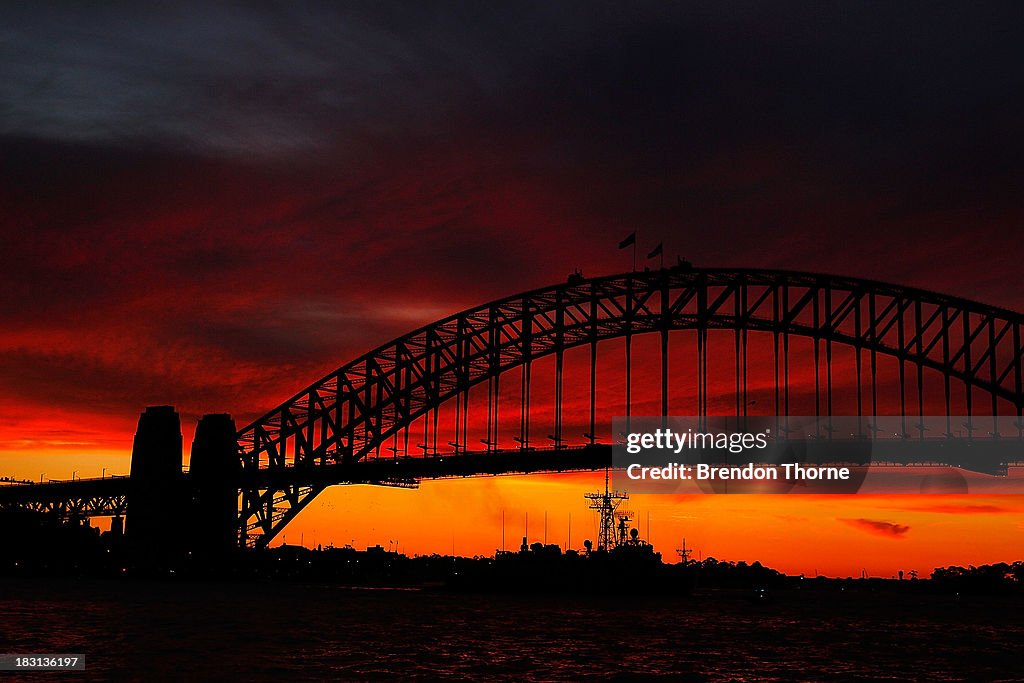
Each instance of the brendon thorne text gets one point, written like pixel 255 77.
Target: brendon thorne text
pixel 790 471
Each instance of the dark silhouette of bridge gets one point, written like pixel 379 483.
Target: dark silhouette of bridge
pixel 785 343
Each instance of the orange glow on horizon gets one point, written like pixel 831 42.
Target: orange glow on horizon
pixel 792 533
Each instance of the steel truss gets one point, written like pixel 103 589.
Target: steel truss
pixel 355 410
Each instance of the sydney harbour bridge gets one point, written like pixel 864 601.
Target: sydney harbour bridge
pixel 529 383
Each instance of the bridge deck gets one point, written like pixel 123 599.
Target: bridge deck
pixel 87 497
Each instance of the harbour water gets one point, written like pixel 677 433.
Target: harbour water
pixel 146 631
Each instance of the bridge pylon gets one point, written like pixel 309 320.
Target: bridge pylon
pixel 153 528
pixel 213 472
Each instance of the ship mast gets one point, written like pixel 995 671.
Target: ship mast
pixel 684 553
pixel 606 503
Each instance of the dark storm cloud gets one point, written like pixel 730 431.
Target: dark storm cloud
pixel 207 79
pixel 273 81
pixel 296 78
pixel 916 105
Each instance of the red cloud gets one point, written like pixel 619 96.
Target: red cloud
pixel 880 528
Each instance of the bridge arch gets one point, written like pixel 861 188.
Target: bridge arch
pixel 355 409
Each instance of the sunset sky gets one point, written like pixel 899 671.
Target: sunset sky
pixel 212 208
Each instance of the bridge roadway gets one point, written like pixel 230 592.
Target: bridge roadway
pixel 80 498
pixel 109 496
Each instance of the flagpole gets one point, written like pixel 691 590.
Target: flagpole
pixel 630 241
pixel 636 239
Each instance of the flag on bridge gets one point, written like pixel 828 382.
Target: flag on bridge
pixel 631 240
pixel 657 251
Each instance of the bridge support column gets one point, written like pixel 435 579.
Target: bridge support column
pixel 153 527
pixel 214 470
